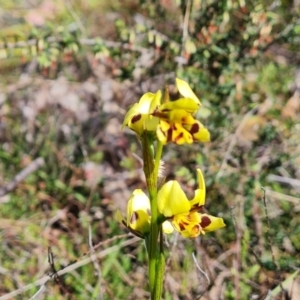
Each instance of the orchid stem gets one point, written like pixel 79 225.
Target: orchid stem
pixel 158 155
pixel 151 173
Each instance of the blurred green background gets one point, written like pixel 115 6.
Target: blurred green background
pixel 69 70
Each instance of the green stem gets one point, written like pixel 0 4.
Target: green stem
pixel 154 252
pixel 158 155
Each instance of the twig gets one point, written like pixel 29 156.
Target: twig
pixel 281 196
pixel 69 268
pixel 32 167
pixel 281 179
pixel 199 268
pixel 41 289
pixel 95 262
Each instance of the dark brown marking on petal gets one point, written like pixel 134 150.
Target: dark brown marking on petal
pixel 205 221
pixel 181 226
pixel 136 118
pixel 159 114
pixel 183 120
pixel 195 128
pixel 179 137
pixel 169 135
pixel 197 207
pixel 163 132
pixel 134 217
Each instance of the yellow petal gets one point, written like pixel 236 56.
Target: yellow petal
pixel 211 223
pixel 167 227
pixel 200 193
pixel 151 123
pixel 155 101
pixel 129 115
pixel 171 200
pixel 139 221
pixel 162 131
pixel 188 224
pixel 186 91
pixel 186 104
pixel 138 211
pixel 161 136
pixel 164 125
pixel 137 123
pixel 180 135
pixel 181 116
pixel 139 118
pixel 146 102
pixel 202 135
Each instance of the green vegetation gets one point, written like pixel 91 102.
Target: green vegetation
pixel 68 72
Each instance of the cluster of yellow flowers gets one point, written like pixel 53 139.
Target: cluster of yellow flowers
pixel 171 121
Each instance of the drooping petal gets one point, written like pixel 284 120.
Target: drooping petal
pixel 186 91
pixel 138 212
pixel 211 223
pixel 171 199
pixel 199 132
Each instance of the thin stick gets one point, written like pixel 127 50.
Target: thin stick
pixel 199 268
pixel 95 262
pixel 69 268
pixel 32 167
pixel 38 292
pixel 281 179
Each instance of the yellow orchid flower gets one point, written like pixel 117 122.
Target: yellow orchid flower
pixel 184 214
pixel 173 120
pixel 139 117
pixel 139 214
pixel 177 124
